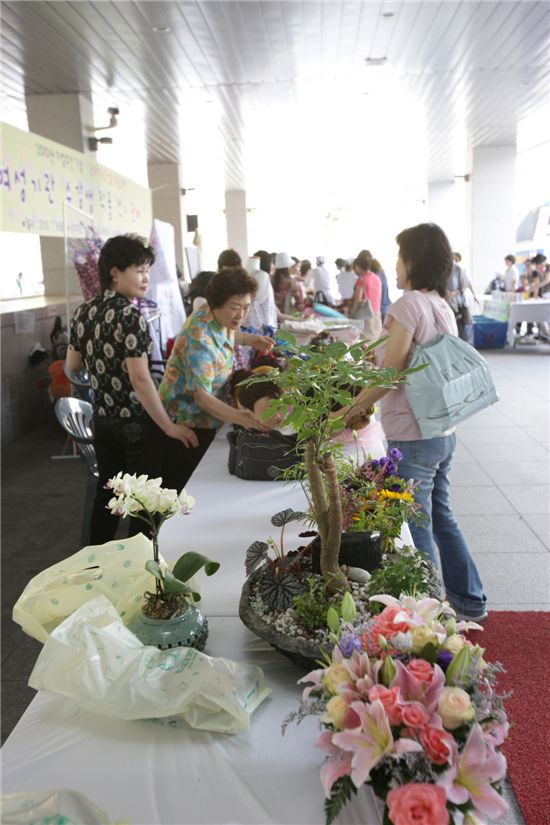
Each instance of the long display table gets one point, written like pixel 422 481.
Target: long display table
pixel 154 774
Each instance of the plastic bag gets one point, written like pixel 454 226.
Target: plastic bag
pixel 50 807
pixel 454 384
pixel 93 659
pixel 115 570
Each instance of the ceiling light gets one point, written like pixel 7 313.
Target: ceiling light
pixel 388 14
pixel 161 29
pixel 375 61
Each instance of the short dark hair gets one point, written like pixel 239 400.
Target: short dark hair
pixel 248 395
pixel 121 252
pixel 229 258
pixel 511 258
pixel 232 281
pixel 363 260
pixel 427 252
pixel 265 260
pixel 197 288
pixel 305 266
pixel 339 262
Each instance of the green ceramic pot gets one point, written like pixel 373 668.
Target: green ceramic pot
pixel 190 629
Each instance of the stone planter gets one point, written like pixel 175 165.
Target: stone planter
pixel 189 629
pixel 302 652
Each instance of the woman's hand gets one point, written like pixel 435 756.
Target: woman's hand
pixel 248 420
pixel 262 343
pixel 186 435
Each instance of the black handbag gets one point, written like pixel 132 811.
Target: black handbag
pixel 257 456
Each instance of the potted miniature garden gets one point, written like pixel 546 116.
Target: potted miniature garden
pixel 290 591
pixel 169 617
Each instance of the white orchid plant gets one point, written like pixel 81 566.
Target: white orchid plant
pixel 143 498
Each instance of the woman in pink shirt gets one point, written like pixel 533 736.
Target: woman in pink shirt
pixel 423 266
pixel 368 286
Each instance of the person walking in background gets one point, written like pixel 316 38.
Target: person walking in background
pixel 511 274
pixel 346 282
pixel 423 266
pixel 325 283
pixel 287 293
pixel 385 296
pixel 367 293
pixel 109 339
pixel 263 311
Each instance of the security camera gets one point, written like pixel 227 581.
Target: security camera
pixel 93 142
pixel 113 110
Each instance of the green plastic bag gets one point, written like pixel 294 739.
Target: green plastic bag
pixel 115 570
pixel 453 385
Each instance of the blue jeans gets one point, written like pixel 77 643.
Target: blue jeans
pixel 428 462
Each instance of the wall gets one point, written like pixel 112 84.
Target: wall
pixel 24 404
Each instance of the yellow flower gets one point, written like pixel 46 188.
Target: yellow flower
pixel 422 636
pixel 334 676
pixel 395 495
pixel 335 712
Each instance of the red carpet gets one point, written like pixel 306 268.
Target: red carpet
pixel 521 642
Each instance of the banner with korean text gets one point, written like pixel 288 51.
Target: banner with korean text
pixel 37 176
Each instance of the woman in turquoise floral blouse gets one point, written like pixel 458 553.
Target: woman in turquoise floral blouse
pixel 199 366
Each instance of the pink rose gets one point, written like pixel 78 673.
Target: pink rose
pixel 437 743
pixel 414 715
pixel 421 670
pixel 417 803
pixel 390 701
pixel 384 622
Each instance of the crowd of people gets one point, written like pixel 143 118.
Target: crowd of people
pixel 164 431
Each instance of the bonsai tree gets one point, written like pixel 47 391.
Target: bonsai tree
pixel 144 498
pixel 316 382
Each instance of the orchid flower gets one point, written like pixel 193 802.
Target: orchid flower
pixel 472 773
pixel 371 742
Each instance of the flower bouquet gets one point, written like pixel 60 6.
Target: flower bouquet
pixel 374 498
pixel 408 706
pixel 85 260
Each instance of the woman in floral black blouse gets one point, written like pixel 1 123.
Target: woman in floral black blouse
pixel 109 338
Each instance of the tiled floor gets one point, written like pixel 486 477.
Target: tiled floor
pixel 500 493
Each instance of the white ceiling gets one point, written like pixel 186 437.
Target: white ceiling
pixel 243 87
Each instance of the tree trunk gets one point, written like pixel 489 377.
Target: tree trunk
pixel 328 513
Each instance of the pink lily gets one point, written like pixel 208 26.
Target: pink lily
pixel 474 769
pixel 339 763
pixel 415 690
pixel 371 742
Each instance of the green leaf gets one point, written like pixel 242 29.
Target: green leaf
pixel 333 620
pixel 171 584
pixel 190 563
pixel 286 516
pixel 154 568
pixel 255 554
pixel 348 609
pixel 341 793
pixel 429 653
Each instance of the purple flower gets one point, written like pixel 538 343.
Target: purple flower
pixel 348 643
pixel 388 466
pixel 374 463
pixel 395 488
pixel 395 454
pixel 444 658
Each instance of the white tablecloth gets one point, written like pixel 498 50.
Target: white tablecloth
pixel 156 774
pixel 535 310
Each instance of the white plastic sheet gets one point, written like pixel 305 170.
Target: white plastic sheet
pixel 59 807
pixel 115 570
pixel 93 659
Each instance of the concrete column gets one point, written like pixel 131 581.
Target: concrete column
pixel 441 205
pixel 64 118
pixel 492 210
pixel 165 184
pixel 236 222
